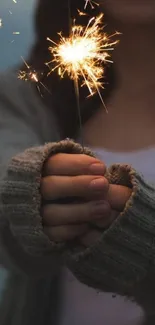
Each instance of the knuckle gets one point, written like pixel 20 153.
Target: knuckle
pixel 42 185
pixel 74 231
pixel 106 184
pixel 46 186
pixel 52 165
pixel 54 234
pixel 66 232
pixel 46 168
pixel 46 213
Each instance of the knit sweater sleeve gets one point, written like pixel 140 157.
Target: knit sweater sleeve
pixel 24 123
pixel 123 259
pixel 21 220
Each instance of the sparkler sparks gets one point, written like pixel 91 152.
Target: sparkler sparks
pixel 31 75
pixel 1 22
pixel 91 2
pixel 83 54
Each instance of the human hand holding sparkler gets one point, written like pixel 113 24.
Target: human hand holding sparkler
pixel 80 180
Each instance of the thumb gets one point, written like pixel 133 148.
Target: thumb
pixel 117 196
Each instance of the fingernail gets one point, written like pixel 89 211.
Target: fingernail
pixel 97 169
pixel 98 184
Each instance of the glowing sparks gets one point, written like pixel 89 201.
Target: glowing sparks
pixel 83 54
pixel 1 23
pixel 31 75
pixel 15 1
pixel 81 13
pixel 16 33
pixel 91 2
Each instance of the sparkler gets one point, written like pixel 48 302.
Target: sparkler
pixel 83 54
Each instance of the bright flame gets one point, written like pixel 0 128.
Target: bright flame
pixel 83 54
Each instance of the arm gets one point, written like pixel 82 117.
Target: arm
pixel 27 182
pixel 24 123
pixel 123 259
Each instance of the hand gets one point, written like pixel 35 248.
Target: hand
pixel 80 181
pixel 117 196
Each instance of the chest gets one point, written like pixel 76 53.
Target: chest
pixel 120 131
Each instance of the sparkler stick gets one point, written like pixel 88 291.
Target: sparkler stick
pixel 76 84
pixel 76 87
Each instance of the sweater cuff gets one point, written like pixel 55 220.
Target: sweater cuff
pixel 121 259
pixel 21 199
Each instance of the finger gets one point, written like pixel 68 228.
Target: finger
pixel 65 233
pixel 90 238
pixel 54 187
pixel 117 196
pixel 107 221
pixel 63 214
pixel 73 164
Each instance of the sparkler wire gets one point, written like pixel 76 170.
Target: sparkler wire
pixel 76 85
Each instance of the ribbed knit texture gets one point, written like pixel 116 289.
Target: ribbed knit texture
pixel 21 199
pixel 121 260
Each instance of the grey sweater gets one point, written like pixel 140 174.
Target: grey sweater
pixel 121 261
